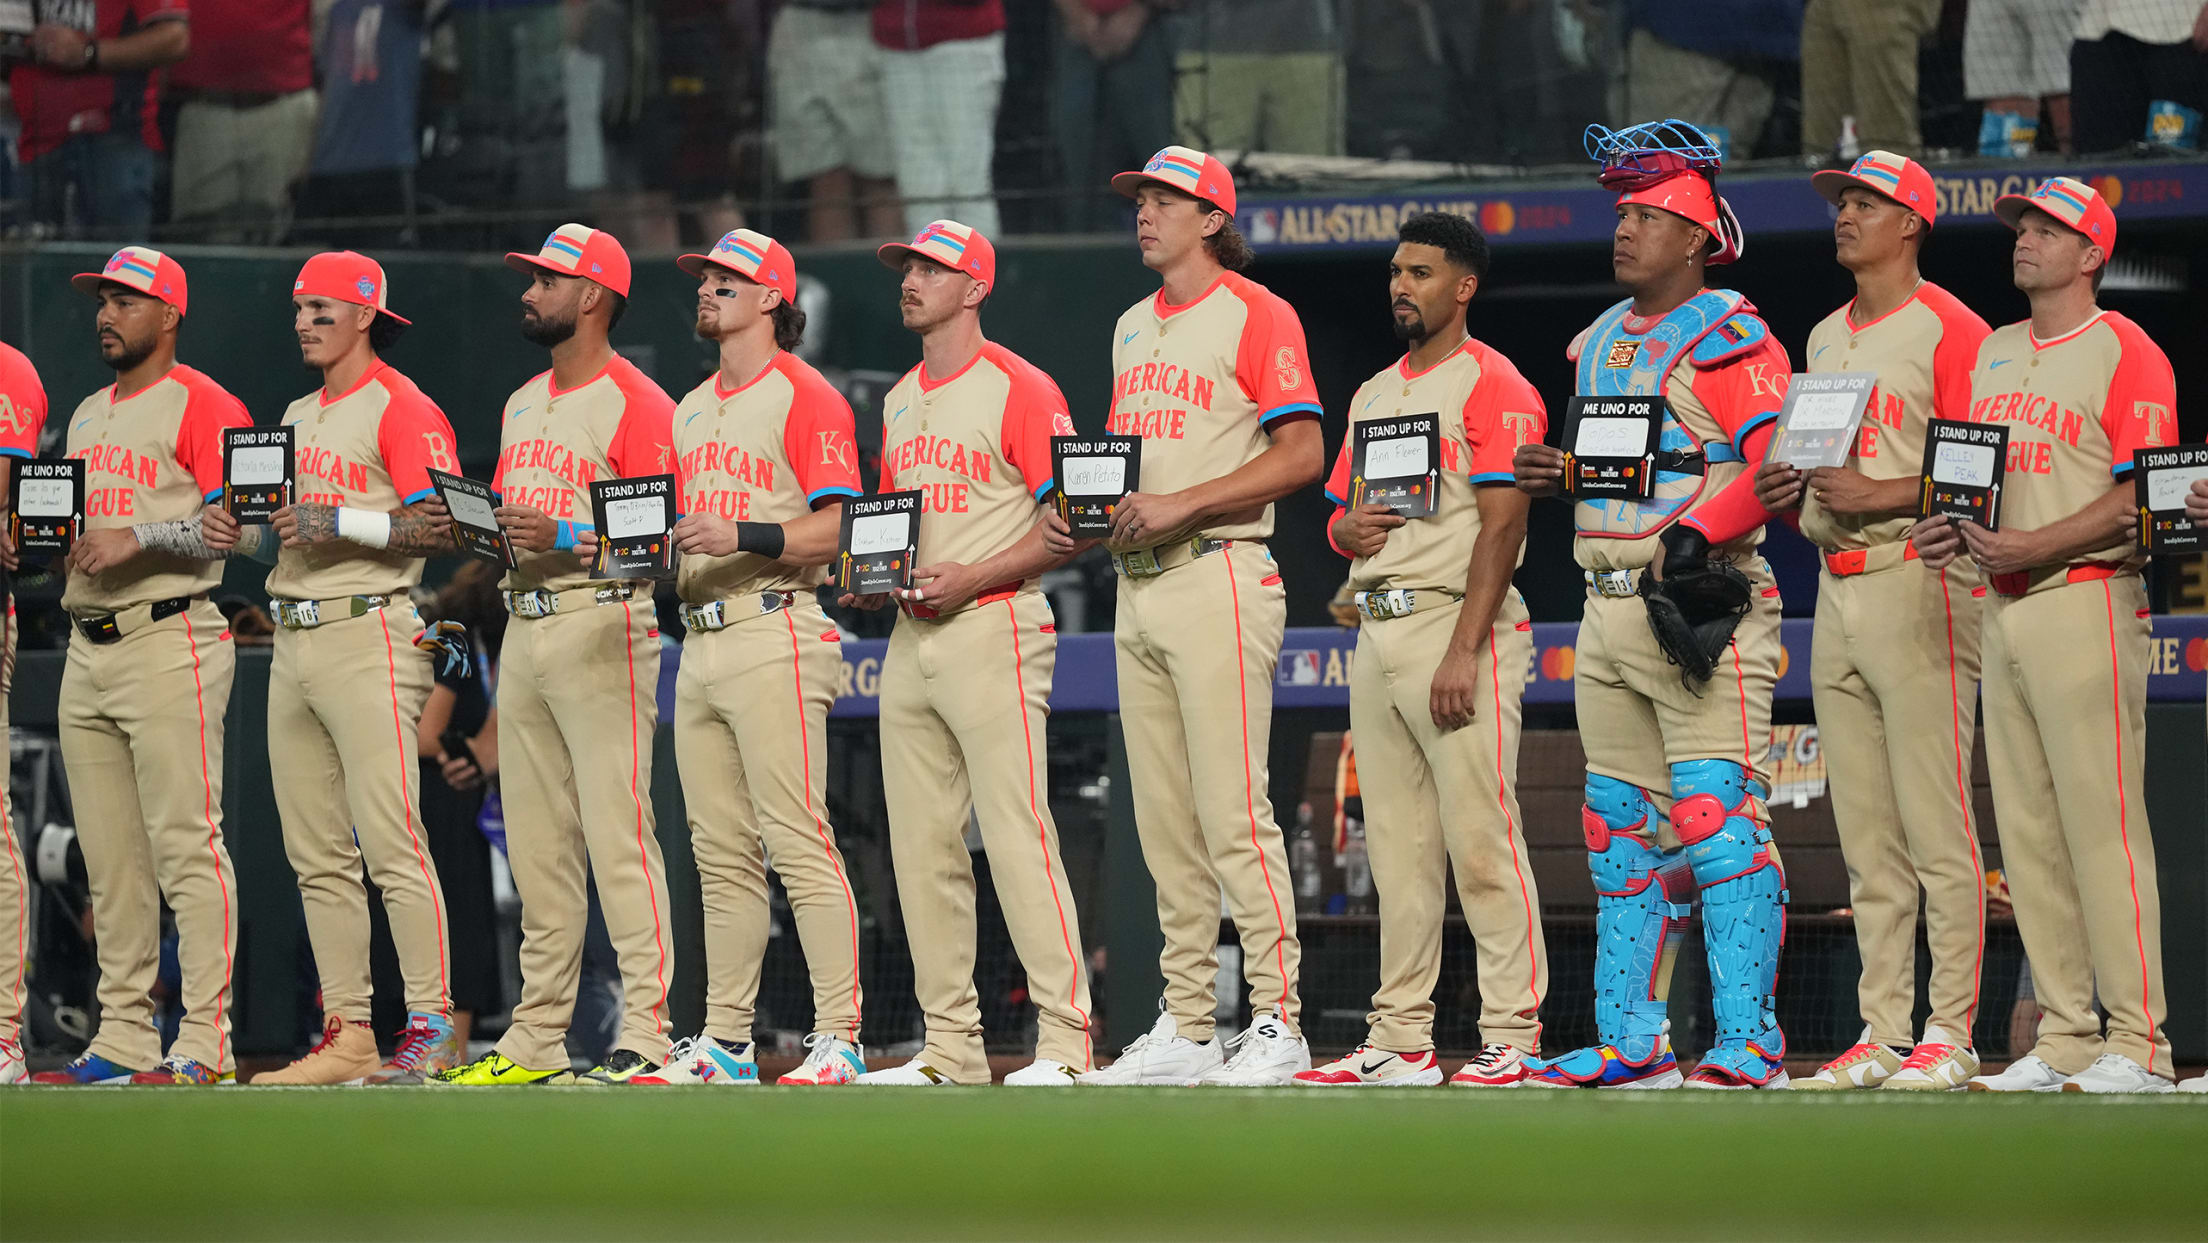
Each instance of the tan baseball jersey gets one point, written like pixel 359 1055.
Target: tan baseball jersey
pixel 370 447
pixel 1921 352
pixel 555 442
pixel 1202 383
pixel 1487 410
pixel 154 456
pixel 1893 674
pixel 768 450
pixel 2076 408
pixel 976 445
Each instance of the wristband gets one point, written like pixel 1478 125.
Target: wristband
pixel 761 538
pixel 563 537
pixel 364 526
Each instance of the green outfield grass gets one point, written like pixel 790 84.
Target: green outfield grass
pixel 547 1163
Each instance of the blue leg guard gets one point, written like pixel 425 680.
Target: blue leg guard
pixel 1642 901
pixel 1743 916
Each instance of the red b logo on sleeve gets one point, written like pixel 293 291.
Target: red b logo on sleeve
pixel 440 452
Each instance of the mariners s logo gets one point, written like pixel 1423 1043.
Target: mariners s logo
pixel 1286 369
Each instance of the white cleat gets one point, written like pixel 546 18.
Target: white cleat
pixel 2197 1087
pixel 12 1069
pixel 1937 1064
pixel 2025 1074
pixel 702 1061
pixel 1497 1066
pixel 2113 1073
pixel 1268 1055
pixel 830 1061
pixel 1160 1056
pixel 1367 1067
pixel 1043 1073
pixel 916 1073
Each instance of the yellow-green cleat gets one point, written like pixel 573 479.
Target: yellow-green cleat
pixel 496 1070
pixel 620 1066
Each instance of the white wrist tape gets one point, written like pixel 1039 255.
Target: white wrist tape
pixel 364 526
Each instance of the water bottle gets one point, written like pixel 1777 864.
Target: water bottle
pixel 1357 870
pixel 1303 860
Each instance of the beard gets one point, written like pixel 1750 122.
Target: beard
pixel 1413 329
pixel 540 330
pixel 127 356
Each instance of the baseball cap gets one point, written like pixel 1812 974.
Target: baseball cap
pixel 1885 174
pixel 1690 194
pixel 579 250
pixel 1185 169
pixel 2069 200
pixel 141 268
pixel 951 244
pixel 751 255
pixel 347 276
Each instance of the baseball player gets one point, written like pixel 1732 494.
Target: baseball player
pixel 22 420
pixel 965 689
pixel 2196 509
pixel 1444 645
pixel 346 690
pixel 577 694
pixel 765 456
pixel 1658 738
pixel 1894 663
pixel 147 683
pixel 1213 375
pixel 2066 644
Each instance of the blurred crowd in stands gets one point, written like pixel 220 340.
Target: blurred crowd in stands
pixel 450 123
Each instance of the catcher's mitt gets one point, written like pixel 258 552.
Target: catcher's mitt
pixel 1694 610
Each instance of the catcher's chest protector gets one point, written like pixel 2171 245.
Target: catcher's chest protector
pixel 1615 363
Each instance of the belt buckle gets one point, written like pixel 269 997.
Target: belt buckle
pixel 775 601
pixel 101 629
pixel 534 604
pixel 609 595
pixel 299 614
pixel 1140 563
pixel 707 617
pixel 1615 584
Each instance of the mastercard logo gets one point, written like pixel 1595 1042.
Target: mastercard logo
pixel 1498 218
pixel 2111 190
pixel 1557 663
pixel 2196 655
pixel 1786 658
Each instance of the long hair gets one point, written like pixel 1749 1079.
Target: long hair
pixel 789 325
pixel 1227 246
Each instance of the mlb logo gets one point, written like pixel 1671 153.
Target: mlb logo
pixel 1299 666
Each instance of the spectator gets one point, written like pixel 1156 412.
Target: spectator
pixel 830 128
pixel 2016 57
pixel 1260 75
pixel 1859 59
pixel 2139 73
pixel 1709 63
pixel 245 124
pixel 87 100
pixel 367 141
pixel 1114 99
pixel 942 75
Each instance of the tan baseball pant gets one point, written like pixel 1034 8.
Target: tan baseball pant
pixel 965 705
pixel 751 738
pixel 344 701
pixel 1893 674
pixel 1637 719
pixel 2066 719
pixel 1433 800
pixel 15 886
pixel 1198 648
pixel 577 707
pixel 141 740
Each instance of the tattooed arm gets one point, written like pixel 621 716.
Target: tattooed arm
pixel 422 529
pixel 191 537
pixel 417 530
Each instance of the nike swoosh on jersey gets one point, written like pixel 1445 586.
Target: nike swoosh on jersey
pixel 515 412
pixel 1996 363
pixel 1130 337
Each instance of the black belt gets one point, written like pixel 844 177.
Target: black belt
pixel 102 629
pixel 1679 463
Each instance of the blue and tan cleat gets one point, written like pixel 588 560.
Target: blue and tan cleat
pixel 89 1070
pixel 620 1066
pixel 426 1046
pixel 496 1070
pixel 1732 1068
pixel 1605 1066
pixel 183 1071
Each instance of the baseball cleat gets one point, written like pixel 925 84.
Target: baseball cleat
pixel 1606 1066
pixel 1367 1067
pixel 1497 1066
pixel 89 1070
pixel 1161 1056
pixel 1937 1064
pixel 1733 1068
pixel 345 1054
pixel 620 1066
pixel 2113 1073
pixel 2025 1074
pixel 426 1045
pixel 12 1069
pixel 704 1059
pixel 1866 1064
pixel 830 1061
pixel 916 1073
pixel 495 1070
pixel 1268 1055
pixel 178 1070
pixel 2197 1086
pixel 1043 1073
